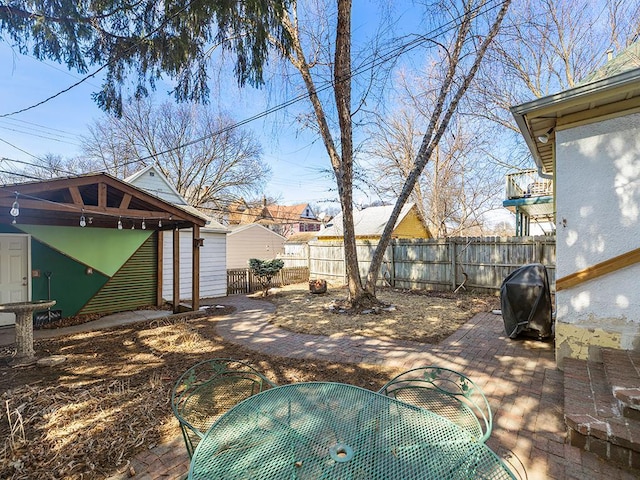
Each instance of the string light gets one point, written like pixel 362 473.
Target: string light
pixel 84 220
pixel 15 209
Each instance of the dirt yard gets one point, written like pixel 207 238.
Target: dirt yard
pixel 86 418
pixel 420 316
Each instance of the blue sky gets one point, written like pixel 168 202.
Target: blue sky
pixel 55 126
pixel 298 159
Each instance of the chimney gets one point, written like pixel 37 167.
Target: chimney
pixel 609 54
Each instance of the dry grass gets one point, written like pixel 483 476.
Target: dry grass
pixel 427 317
pixel 86 418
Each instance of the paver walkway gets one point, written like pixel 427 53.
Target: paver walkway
pixel 519 377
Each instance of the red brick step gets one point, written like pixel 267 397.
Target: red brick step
pixel 602 401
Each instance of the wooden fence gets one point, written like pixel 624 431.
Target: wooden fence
pixel 244 281
pixel 435 264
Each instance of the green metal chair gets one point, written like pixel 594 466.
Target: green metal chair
pixel 447 393
pixel 207 390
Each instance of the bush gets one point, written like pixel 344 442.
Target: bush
pixel 265 270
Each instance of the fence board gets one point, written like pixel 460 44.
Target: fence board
pixel 243 280
pixel 438 264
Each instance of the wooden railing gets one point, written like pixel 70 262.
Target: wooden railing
pixel 244 281
pixel 598 270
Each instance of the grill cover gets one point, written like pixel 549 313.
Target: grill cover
pixel 525 300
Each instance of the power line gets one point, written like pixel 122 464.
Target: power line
pixel 94 73
pixel 22 150
pixel 394 53
pixel 57 130
pixel 53 139
pixel 20 174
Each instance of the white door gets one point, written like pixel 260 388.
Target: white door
pixel 14 273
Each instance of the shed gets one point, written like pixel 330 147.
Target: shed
pixel 252 241
pixel 96 237
pixel 213 241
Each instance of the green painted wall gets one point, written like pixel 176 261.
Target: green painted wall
pixel 103 249
pixel 66 252
pixel 71 287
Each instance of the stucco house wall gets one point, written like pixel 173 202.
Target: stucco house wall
pixel 598 217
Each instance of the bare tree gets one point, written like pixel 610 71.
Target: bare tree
pixel 458 185
pixel 463 51
pixel 208 160
pixel 546 46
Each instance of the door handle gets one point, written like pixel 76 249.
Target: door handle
pixel 24 281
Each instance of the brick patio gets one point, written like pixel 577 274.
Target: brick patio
pixel 519 378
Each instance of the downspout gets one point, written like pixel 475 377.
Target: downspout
pixel 541 174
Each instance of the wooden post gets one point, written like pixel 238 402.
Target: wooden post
pixel 160 257
pixel 176 270
pixel 454 265
pixel 195 269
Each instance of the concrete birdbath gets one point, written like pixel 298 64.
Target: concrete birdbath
pixel 24 326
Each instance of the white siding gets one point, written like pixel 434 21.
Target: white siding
pixel 156 185
pixel 253 241
pixel 213 271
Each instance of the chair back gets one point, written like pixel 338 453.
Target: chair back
pixel 447 393
pixel 207 390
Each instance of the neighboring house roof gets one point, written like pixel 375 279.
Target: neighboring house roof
pixel 628 59
pixel 240 213
pixel 235 229
pixel 614 88
pixel 292 213
pixel 302 237
pixel 154 182
pixel 369 222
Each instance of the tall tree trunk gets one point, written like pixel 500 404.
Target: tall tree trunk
pixel 344 174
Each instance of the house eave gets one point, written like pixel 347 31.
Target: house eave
pixel 546 114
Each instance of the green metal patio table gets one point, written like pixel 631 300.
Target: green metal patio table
pixel 321 430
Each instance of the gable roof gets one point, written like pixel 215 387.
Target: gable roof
pixel 240 213
pixel 152 180
pixel 101 197
pixel 160 186
pixel 291 213
pixel 369 222
pixel 588 102
pixel 249 226
pixel 626 60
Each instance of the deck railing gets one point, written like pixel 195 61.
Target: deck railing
pixel 527 183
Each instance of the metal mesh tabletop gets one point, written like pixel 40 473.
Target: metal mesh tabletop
pixel 337 431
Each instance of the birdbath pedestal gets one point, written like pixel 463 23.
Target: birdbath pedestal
pixel 24 325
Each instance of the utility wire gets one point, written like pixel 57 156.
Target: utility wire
pixel 94 73
pixel 393 54
pixel 53 139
